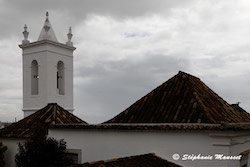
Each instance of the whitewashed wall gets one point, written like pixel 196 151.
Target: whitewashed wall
pixel 11 152
pixel 102 145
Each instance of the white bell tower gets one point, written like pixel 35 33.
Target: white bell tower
pixel 47 70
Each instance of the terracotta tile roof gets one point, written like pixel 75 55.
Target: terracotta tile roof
pixel 158 127
pixel 146 160
pixel 52 114
pixel 182 99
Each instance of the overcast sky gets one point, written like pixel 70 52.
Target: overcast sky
pixel 127 48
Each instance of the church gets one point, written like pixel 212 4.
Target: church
pixel 180 123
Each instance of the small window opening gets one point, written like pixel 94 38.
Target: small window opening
pixel 34 78
pixel 74 155
pixel 60 78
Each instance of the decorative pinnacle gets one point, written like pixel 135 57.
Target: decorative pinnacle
pixel 25 27
pixel 47 16
pixel 69 43
pixel 70 34
pixel 46 26
pixel 25 35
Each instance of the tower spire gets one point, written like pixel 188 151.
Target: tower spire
pixel 47 32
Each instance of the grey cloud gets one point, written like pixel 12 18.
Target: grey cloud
pixel 80 8
pixel 15 13
pixel 202 38
pixel 211 62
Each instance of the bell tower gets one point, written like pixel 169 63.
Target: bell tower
pixel 47 70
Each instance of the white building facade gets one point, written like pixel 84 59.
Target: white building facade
pixel 101 144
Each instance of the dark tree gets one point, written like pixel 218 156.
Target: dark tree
pixel 2 151
pixel 41 151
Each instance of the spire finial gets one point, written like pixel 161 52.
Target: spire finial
pixel 46 27
pixel 25 35
pixel 47 17
pixel 25 27
pixel 70 30
pixel 70 35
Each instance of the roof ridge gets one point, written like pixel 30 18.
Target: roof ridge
pixel 54 110
pixel 187 74
pixel 182 98
pixel 197 97
pixel 61 108
pixel 180 72
pixel 46 111
pixel 149 159
pixel 208 114
pixel 44 118
pixel 200 103
pixel 117 159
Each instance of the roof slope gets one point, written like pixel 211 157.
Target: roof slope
pixel 52 114
pixel 146 160
pixel 182 99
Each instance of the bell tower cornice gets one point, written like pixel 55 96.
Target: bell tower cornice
pixel 46 42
